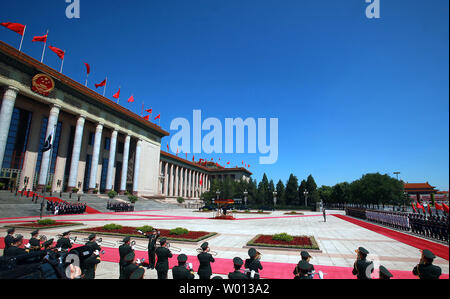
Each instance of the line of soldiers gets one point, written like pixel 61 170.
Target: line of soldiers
pixel 432 226
pixel 120 207
pixel 64 208
pixel 394 219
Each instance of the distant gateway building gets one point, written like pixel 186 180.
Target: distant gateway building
pixel 98 145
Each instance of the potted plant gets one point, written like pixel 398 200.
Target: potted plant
pixel 112 194
pixel 133 199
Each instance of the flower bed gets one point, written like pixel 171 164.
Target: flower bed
pixel 250 212
pixel 35 225
pixel 293 213
pixel 300 242
pixel 191 236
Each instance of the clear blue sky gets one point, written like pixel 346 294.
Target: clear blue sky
pixel 352 95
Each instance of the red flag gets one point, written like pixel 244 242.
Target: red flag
pixel 248 165
pixel 16 27
pixel 445 208
pixel 101 84
pixel 131 99
pixel 193 158
pixel 58 52
pixel 88 68
pixel 186 156
pixel 149 111
pixel 158 117
pixel 438 207
pixel 117 94
pixel 414 207
pixel 177 151
pixel 201 182
pixel 42 39
pixel 168 148
pixel 228 163
pixel 147 117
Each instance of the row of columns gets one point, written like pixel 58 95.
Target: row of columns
pixel 182 182
pixel 6 112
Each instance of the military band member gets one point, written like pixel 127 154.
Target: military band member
pixel 138 273
pixel 35 243
pixel 124 250
pixel 303 270
pixel 205 259
pixel 93 242
pixel 130 265
pixel 253 263
pixel 306 258
pixel 9 237
pixel 384 273
pixel 152 239
pixel 425 269
pixel 361 266
pixel 65 243
pixel 237 274
pixel 163 254
pixel 89 265
pixel 181 271
pixel 14 249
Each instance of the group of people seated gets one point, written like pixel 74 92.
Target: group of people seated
pixel 65 208
pixel 120 207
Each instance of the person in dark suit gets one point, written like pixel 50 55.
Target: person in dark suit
pixel 253 263
pixel 425 269
pixel 385 274
pixel 124 250
pixel 93 243
pixel 9 237
pixel 205 259
pixel 181 271
pixel 89 265
pixel 163 254
pixel 237 274
pixel 361 267
pixel 152 239
pixel 35 244
pixel 64 243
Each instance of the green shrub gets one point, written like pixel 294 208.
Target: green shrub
pixel 178 231
pixel 2 185
pixel 128 192
pixel 260 212
pixel 48 188
pixel 75 190
pixel 145 228
pixel 112 226
pixel 133 198
pixel 46 221
pixel 205 210
pixel 283 237
pixel 180 199
pixel 112 194
pixel 95 191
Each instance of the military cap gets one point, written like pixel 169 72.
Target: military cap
pixel 65 233
pixel 48 243
pixel 252 252
pixel 304 265
pixel 34 232
pixel 385 272
pixel 217 277
pixel 162 241
pixel 238 261
pixel 18 238
pixel 137 274
pixel 129 257
pixel 126 239
pixel 182 258
pixel 204 245
pixel 11 230
pixel 428 254
pixel 363 250
pixel 92 236
pixel 305 254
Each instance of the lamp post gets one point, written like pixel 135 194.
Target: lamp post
pixel 218 194
pixel 245 197
pixel 274 198
pixel 306 198
pixel 405 194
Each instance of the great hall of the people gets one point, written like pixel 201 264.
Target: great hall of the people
pixel 98 145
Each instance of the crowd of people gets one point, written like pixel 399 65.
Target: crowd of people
pixel 40 259
pixel 65 208
pixel 120 207
pixel 431 226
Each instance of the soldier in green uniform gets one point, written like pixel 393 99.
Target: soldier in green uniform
pixel 163 254
pixel 361 266
pixel 138 273
pixel 9 238
pixel 303 270
pixel 253 263
pixel 93 242
pixel 425 269
pixel 181 271
pixel 124 250
pixel 237 274
pixel 35 244
pixel 305 257
pixel 14 249
pixel 64 243
pixel 152 248
pixel 89 265
pixel 130 266
pixel 384 273
pixel 205 259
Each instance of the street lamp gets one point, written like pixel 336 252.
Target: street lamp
pixel 245 197
pixel 306 198
pixel 397 173
pixel 405 194
pixel 218 194
pixel 274 198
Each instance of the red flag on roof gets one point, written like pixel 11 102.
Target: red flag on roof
pixel 101 84
pixel 168 148
pixel 158 117
pixel 147 117
pixel 228 163
pixel 149 111
pixel 445 207
pixel 117 94
pixel 58 52
pixel 88 68
pixel 131 99
pixel 42 39
pixel 438 207
pixel 16 27
pixel 193 158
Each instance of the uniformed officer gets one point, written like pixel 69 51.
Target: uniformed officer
pixel 163 254
pixel 124 250
pixel 89 265
pixel 35 244
pixel 253 263
pixel 152 239
pixel 9 237
pixel 305 257
pixel 237 274
pixel 362 268
pixel 181 271
pixel 14 249
pixel 303 270
pixel 92 242
pixel 130 265
pixel 324 215
pixel 384 273
pixel 205 259
pixel 47 245
pixel 425 269
pixel 138 273
pixel 65 243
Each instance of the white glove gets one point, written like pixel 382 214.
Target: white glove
pixel 252 274
pixel 96 252
pixel 190 266
pixel 28 245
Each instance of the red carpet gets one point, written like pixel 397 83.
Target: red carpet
pixel 438 249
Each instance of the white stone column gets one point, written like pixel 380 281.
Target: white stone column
pixel 181 181
pixel 126 153
pixel 51 128
pixel 9 100
pixel 160 183
pixel 177 181
pixel 185 183
pixel 196 184
pixel 170 180
pixel 166 179
pixel 76 153
pixel 189 186
pixel 137 162
pixel 111 161
pixel 95 157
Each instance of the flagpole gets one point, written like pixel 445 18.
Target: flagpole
pixel 87 76
pixel 104 90
pixel 45 45
pixel 119 95
pixel 62 63
pixel 23 35
pixel 142 111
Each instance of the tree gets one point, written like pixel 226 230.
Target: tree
pixel 281 199
pixel 263 190
pixel 301 192
pixel 291 194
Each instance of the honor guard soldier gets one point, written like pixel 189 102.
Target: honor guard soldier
pixel 384 273
pixel 163 254
pixel 324 215
pixel 152 239
pixel 64 243
pixel 181 271
pixel 9 237
pixel 306 258
pixel 425 269
pixel 35 243
pixel 14 249
pixel 138 273
pixel 93 243
pixel 303 270
pixel 361 266
pixel 124 250
pixel 253 263
pixel 205 259
pixel 130 265
pixel 237 274
pixel 47 245
pixel 89 265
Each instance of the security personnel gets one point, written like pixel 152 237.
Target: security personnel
pixel 163 254
pixel 361 265
pixel 89 265
pixel 130 266
pixel 152 248
pixel 306 258
pixel 425 269
pixel 35 244
pixel 124 250
pixel 205 259
pixel 14 249
pixel 237 274
pixel 64 243
pixel 93 243
pixel 253 262
pixel 180 271
pixel 384 273
pixel 9 237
